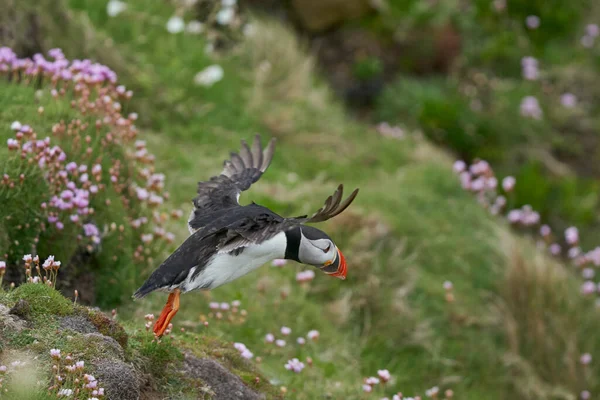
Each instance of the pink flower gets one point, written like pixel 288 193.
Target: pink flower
pixel 574 252
pixel 588 287
pixel 555 249
pixel 508 183
pixel 367 388
pixel 301 341
pixel 572 235
pixel 478 184
pixel 280 343
pixel 240 346
pixel 585 395
pixel 372 381
pixel 448 285
pixel 568 100
pixel 2 265
pixel 247 354
pixel 269 338
pixel 480 167
pixel 294 365
pixel 459 166
pixel 530 68
pixel 71 167
pixel 279 262
pixel 305 276
pixel 545 230
pixel 530 108
pixel 91 230
pixel 55 353
pixel 514 216
pixel 313 335
pixel 285 330
pixel 588 273
pixel 585 358
pixel 532 22
pixel 384 374
pixel 592 30
pixel 12 144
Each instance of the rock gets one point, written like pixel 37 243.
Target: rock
pixel 221 381
pixel 118 379
pixel 108 326
pixel 110 346
pixel 319 15
pixel 10 322
pixel 77 323
pixel 21 309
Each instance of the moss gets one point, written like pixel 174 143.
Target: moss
pixel 20 339
pixel 106 326
pixel 43 300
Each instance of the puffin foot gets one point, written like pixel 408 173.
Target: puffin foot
pixel 167 314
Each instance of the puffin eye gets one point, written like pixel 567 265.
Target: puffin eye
pixel 327 249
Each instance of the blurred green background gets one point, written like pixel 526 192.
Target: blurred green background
pixel 514 83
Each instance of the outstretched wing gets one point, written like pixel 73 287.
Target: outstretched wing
pixel 265 224
pixel 239 173
pixel 333 206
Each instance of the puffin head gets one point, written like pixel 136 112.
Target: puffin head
pixel 311 246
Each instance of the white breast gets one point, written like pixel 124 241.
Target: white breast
pixel 225 268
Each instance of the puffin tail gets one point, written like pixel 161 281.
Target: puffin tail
pixel 144 290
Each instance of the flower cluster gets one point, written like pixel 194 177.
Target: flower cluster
pixel 525 217
pixel 77 159
pixel 244 352
pixel 70 380
pixel 530 108
pixel 294 365
pixel 592 31
pixel 46 273
pixel 530 68
pixel 229 312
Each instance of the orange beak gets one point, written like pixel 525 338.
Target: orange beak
pixel 341 271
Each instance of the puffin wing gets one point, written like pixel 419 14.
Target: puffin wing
pixel 239 173
pixel 333 206
pixel 263 226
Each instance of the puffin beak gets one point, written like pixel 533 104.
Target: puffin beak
pixel 341 271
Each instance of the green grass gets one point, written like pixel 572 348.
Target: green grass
pixel 410 229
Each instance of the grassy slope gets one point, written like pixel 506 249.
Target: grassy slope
pixel 159 363
pixel 410 229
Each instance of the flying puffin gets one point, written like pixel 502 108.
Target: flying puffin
pixel 228 240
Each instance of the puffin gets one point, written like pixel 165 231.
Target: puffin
pixel 228 240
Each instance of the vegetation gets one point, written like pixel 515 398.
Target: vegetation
pixel 440 292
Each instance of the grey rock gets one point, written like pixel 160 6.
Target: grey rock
pixel 109 345
pixel 21 309
pixel 77 323
pixel 10 322
pixel 118 379
pixel 225 385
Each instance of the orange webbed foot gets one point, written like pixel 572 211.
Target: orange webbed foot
pixel 167 313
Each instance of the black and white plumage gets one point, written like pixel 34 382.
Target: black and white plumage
pixel 229 240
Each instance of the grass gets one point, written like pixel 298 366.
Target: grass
pixel 411 228
pixel 160 363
